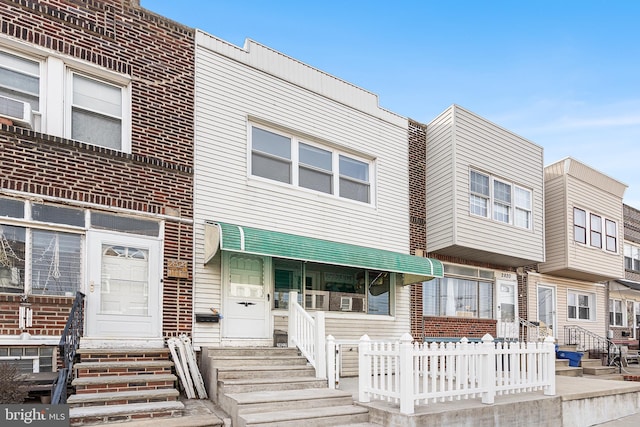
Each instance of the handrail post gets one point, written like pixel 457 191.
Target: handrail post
pixel 331 362
pixel 292 330
pixel 405 370
pixel 488 368
pixel 321 352
pixel 364 369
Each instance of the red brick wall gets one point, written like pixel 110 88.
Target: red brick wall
pixel 632 234
pixel 458 327
pixel 49 314
pixel 157 177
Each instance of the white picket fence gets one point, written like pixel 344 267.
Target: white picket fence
pixel 411 374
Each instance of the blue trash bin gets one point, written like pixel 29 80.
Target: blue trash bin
pixel 573 356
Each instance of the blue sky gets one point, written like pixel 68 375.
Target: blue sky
pixel 564 74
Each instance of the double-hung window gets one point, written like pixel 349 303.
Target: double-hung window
pixel 20 79
pixel 500 200
pixel 479 197
pixel 611 231
pixel 595 224
pixel 580 305
pixel 631 257
pixel 93 107
pixel 96 112
pixel 286 158
pixel 616 316
pixel 579 225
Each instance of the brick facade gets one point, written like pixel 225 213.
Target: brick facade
pixel 631 234
pixel 155 178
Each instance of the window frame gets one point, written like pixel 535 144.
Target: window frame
pixel 491 201
pixel 55 96
pixel 617 318
pixel 296 165
pixel 632 257
pixel 481 286
pixel 591 306
pixel 595 231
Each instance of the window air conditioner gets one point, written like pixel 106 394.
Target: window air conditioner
pixel 17 111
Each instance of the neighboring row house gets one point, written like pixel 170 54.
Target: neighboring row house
pixel 96 152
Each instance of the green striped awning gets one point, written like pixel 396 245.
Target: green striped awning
pixel 235 238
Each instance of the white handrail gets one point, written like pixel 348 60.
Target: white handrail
pixel 307 333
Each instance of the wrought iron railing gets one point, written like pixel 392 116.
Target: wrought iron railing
pixel 598 347
pixel 69 343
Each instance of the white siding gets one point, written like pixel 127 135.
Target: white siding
pixel 237 86
pixel 478 144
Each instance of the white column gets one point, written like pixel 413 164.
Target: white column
pixel 488 368
pixel 406 375
pixel 364 369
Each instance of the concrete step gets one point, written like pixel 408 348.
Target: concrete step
pixel 235 372
pixel 588 363
pixel 109 413
pixel 312 417
pixel 237 404
pixel 85 369
pixel 252 351
pixel 569 371
pixel 267 360
pixel 245 385
pixel 599 370
pixel 106 398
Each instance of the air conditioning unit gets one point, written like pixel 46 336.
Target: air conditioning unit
pixel 17 111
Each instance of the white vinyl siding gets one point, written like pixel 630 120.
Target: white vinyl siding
pixel 459 143
pixel 237 88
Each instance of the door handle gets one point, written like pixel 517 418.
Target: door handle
pixel 246 303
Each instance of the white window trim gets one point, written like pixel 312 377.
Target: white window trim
pixel 588 229
pixel 491 200
pixel 632 248
pixel 295 165
pixel 623 308
pixel 55 89
pixel 592 305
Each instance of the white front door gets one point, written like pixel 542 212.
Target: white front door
pixel 123 290
pixel 246 309
pixel 547 310
pixel 508 323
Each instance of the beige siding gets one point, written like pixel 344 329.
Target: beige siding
pixel 571 184
pixel 440 188
pixel 235 87
pixel 556 224
pixel 562 287
pixel 481 145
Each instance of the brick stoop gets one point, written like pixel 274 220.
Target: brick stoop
pixel 115 385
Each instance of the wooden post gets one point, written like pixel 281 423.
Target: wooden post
pixel 550 371
pixel 320 348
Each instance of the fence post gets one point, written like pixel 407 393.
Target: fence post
pixel 321 352
pixel 488 369
pixel 292 329
pixel 405 370
pixel 364 369
pixel 550 371
pixel 331 362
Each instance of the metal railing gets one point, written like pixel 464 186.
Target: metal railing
pixel 69 343
pixel 598 347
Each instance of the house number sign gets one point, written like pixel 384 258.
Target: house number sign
pixel 177 268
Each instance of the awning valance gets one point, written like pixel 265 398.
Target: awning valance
pixel 235 238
